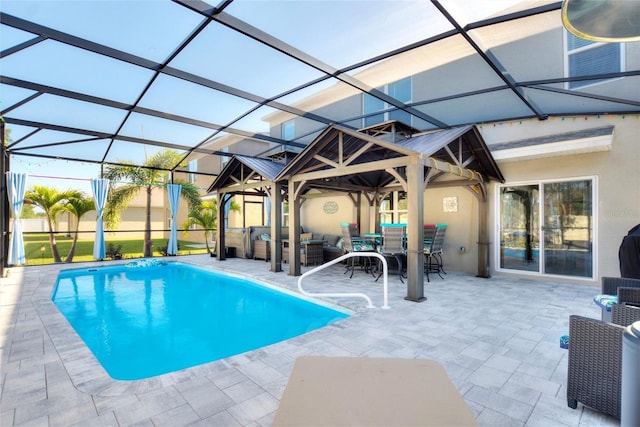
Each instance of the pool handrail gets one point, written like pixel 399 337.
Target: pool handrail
pixel 350 294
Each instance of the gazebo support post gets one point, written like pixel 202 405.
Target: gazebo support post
pixel 221 228
pixel 276 227
pixel 294 226
pixel 415 230
pixel 483 234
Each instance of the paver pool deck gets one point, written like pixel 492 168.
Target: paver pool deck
pixel 497 338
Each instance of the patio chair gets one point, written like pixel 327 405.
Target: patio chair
pixel 433 252
pixel 595 360
pixel 429 233
pixel 311 251
pixel 393 245
pixel 610 285
pixel 354 243
pixel 628 295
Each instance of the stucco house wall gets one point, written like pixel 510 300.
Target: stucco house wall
pixel 615 171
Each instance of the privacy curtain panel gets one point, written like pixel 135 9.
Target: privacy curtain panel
pixel 100 189
pixel 267 207
pixel 174 198
pixel 16 183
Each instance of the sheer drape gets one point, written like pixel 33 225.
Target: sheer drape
pixel 267 206
pixel 16 183
pixel 100 189
pixel 174 199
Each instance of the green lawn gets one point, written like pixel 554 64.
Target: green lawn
pixel 131 248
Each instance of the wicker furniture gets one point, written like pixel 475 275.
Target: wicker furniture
pixel 595 360
pixel 262 249
pixel 311 252
pixel 629 295
pixel 610 285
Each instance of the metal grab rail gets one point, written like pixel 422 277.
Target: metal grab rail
pixel 385 285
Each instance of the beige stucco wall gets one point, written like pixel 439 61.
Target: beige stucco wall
pixel 315 219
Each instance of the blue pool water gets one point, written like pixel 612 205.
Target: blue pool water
pixel 142 322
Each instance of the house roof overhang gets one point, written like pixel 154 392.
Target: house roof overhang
pixel 564 144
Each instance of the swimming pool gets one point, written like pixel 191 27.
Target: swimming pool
pixel 143 322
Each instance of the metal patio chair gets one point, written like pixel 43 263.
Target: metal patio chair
pixel 354 243
pixel 433 252
pixel 394 245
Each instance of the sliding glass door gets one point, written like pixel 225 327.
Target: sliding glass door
pixel 547 228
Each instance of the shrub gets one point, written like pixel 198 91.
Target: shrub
pixel 113 251
pixel 163 249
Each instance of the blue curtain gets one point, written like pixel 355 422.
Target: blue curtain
pixel 16 183
pixel 100 189
pixel 267 207
pixel 174 199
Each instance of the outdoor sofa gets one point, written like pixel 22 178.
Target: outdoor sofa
pixel 244 240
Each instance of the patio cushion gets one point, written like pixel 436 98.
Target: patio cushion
pixel 363 247
pixel 605 301
pixel 265 236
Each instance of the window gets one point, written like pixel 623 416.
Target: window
pixel 393 209
pixel 289 130
pixel 586 58
pixel 193 167
pixel 400 90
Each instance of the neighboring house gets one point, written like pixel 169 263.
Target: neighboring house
pixel 568 199
pixel 131 225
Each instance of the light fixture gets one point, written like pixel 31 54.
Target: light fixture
pixel 602 20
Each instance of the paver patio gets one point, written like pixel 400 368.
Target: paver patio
pixel 497 338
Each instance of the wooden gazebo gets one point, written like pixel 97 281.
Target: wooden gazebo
pixel 346 160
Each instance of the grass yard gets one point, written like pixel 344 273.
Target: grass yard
pixel 131 248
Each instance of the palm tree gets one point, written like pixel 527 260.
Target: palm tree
pixel 206 216
pixel 154 174
pixel 47 199
pixel 78 204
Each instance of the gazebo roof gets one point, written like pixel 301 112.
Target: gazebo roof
pixel 247 174
pixel 346 160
